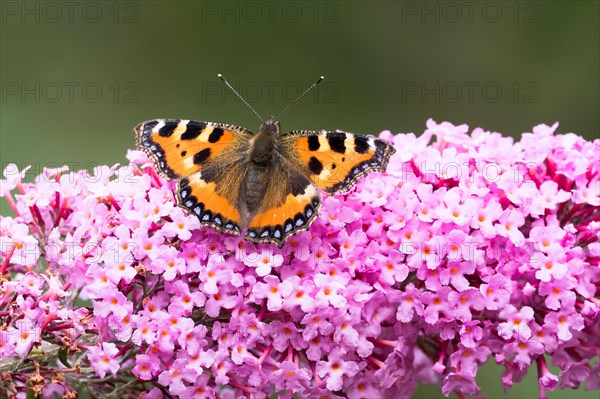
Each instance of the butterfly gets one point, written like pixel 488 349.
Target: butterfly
pixel 267 183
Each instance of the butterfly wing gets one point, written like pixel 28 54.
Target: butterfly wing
pixel 180 148
pixel 212 195
pixel 336 161
pixel 290 204
pixel 207 161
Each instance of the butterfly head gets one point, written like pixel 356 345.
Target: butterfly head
pixel 271 127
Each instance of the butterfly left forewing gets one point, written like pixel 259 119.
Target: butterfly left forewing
pixel 335 161
pixel 182 147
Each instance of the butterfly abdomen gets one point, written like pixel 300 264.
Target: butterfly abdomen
pixel 257 181
pixel 260 159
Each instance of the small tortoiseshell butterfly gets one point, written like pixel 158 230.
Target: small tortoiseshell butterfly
pixel 268 182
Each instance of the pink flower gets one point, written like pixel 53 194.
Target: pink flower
pixel 462 382
pixel 274 291
pixel 103 359
pixel 181 225
pixel 335 369
pixel 22 246
pixel 552 265
pixel 264 261
pixel 145 367
pixel 471 247
pixel 496 292
pixel 517 322
pixel 12 177
pixel 113 303
pixel 22 336
pixel 551 196
pixel 328 292
pixel 455 273
pixel 289 376
pixel 484 217
pixel 563 323
pixel 468 359
pixel 508 226
pixel 176 376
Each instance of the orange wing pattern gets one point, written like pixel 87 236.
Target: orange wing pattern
pixel 335 161
pixel 181 147
pixel 207 160
pixel 291 203
pixel 212 194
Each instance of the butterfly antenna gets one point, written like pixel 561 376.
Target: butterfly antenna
pixel 238 94
pixel 300 96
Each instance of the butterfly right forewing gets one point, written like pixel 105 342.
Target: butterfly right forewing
pixel 335 161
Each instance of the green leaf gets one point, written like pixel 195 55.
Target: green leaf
pixel 62 355
pixel 31 394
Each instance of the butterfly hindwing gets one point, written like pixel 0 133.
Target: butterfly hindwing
pixel 211 194
pixel 290 204
pixel 180 148
pixel 335 161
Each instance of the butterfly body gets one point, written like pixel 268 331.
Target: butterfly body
pixel 261 158
pixel 268 182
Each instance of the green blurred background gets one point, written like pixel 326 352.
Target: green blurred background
pixel 77 76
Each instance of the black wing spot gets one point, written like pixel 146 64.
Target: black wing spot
pixel 206 216
pixel 308 212
pixel 336 142
pixel 215 135
pixel 183 153
pixel 288 225
pixel 210 174
pixel 298 184
pixel 190 202
pixel 265 233
pixel 299 220
pixel 313 143
pixel 315 166
pixel 149 127
pixel 193 130
pixel 167 129
pixel 361 145
pixel 201 156
pixel 199 208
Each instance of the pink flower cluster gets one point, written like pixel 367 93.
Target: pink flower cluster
pixel 472 248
